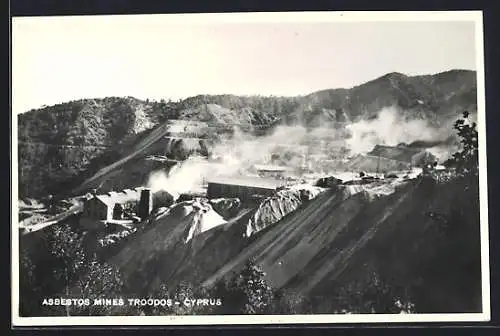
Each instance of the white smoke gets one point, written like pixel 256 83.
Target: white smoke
pixel 243 149
pixel 389 128
pixel 442 153
pixel 232 156
pixel 157 181
pixel 235 155
pixel 182 178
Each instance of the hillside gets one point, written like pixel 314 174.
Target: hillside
pixel 414 236
pixel 331 242
pixel 434 97
pixel 62 145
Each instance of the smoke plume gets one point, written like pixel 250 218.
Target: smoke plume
pixel 234 155
pixel 392 127
pixel 293 145
pixel 432 143
pixel 388 128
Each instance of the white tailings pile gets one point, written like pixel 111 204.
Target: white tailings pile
pixel 375 189
pixel 204 219
pixel 274 208
pixel 285 201
pixel 198 213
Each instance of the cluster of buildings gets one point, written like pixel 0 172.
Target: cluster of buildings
pixel 124 205
pixel 391 158
pixel 139 202
pixel 271 171
pixel 115 205
pixel 242 187
pixel 271 177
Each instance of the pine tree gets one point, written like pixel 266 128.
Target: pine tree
pixel 66 247
pixel 246 292
pixel 466 161
pixel 99 280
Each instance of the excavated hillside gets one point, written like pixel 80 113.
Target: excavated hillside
pixel 62 145
pixel 419 239
pixel 59 142
pixel 196 237
pixel 419 235
pixel 293 242
pixel 184 244
pixel 133 165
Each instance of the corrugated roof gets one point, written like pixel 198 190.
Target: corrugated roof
pixel 374 163
pixel 105 199
pixel 395 153
pixel 248 182
pixel 127 195
pixel 271 168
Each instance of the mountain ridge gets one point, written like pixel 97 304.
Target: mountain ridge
pixel 388 75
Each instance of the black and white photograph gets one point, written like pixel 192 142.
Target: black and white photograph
pixel 249 168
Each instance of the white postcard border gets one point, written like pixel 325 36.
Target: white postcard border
pixel 475 16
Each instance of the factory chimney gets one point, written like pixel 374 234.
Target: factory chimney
pixel 145 203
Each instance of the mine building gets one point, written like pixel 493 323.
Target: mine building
pixel 391 158
pixel 112 205
pixel 271 171
pixel 416 157
pixel 241 187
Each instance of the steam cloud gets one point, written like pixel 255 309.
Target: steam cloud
pixel 392 128
pixel 232 156
pixel 389 128
pixel 182 178
pixel 236 154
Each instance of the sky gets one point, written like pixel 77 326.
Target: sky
pixel 58 59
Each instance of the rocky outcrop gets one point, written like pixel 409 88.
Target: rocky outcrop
pixel 199 215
